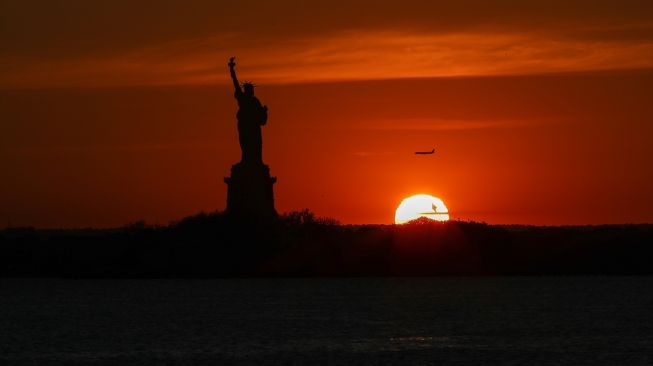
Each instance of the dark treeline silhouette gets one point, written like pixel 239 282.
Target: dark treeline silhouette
pixel 300 244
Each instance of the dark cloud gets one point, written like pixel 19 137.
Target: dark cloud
pixel 62 29
pixel 92 43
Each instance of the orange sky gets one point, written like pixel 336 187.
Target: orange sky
pixel 540 113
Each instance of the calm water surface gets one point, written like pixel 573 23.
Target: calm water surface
pixel 368 321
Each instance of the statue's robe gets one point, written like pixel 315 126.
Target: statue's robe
pixel 251 116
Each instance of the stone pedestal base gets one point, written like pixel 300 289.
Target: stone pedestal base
pixel 249 192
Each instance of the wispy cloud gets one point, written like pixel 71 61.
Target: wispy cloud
pixel 435 124
pixel 367 154
pixel 341 56
pixel 108 148
pixel 76 43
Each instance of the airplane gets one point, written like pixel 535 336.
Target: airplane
pixel 424 152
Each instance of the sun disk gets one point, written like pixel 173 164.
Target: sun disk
pixel 421 205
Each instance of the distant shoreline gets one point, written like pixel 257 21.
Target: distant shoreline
pixel 215 245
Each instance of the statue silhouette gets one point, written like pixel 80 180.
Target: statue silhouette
pixel 249 188
pixel 251 116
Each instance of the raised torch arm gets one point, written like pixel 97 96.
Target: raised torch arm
pixel 234 78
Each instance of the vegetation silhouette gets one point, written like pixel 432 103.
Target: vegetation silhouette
pixel 301 244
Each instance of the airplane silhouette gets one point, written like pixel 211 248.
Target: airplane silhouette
pixel 424 152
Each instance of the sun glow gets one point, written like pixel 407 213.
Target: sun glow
pixel 421 205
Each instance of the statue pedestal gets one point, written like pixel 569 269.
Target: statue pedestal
pixel 249 192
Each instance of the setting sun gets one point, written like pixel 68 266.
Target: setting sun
pixel 421 205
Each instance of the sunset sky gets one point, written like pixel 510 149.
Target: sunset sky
pixel 540 112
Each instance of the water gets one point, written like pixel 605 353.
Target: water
pixel 368 321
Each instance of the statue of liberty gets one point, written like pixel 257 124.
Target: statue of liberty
pixel 250 187
pixel 251 116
